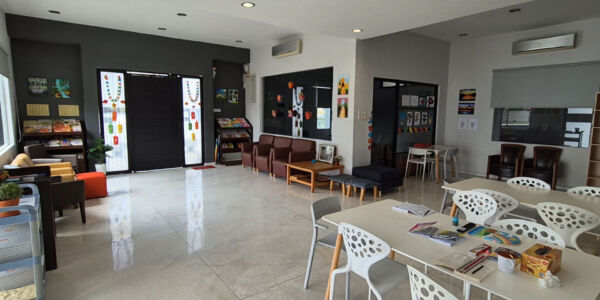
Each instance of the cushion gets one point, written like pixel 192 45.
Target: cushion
pixel 342 178
pixel 362 183
pixel 503 170
pixel 46 160
pixel 95 184
pixel 22 160
pixel 377 173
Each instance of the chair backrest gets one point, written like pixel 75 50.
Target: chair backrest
pixel 422 287
pixel 545 157
pixel 529 182
pixel 511 153
pixel 569 221
pixel 587 192
pixel 301 145
pixel 36 151
pixel 477 206
pixel 323 207
pixel 505 203
pixel 282 142
pixel 266 139
pixel 363 249
pixel 524 228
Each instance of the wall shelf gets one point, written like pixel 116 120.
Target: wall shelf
pixel 593 175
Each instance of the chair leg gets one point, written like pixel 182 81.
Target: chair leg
pixel 375 192
pixel 82 211
pixel 349 190
pixel 331 185
pixel 362 194
pixel 406 169
pixel 343 188
pixel 310 258
pixel 348 285
pixel 444 202
pixel 354 189
pixel 369 294
pixel 423 176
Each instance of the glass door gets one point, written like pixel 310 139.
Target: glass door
pixel 192 120
pixel 114 121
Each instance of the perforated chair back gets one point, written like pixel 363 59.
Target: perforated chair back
pixel 524 228
pixel 477 206
pixel 569 221
pixel 324 207
pixel 423 288
pixel 505 203
pixel 529 182
pixel 587 192
pixel 363 249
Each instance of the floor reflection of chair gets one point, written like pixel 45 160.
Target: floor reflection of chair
pixel 195 219
pixel 120 227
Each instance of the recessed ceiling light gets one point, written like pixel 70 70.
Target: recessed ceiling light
pixel 357 30
pixel 463 34
pixel 248 4
pixel 161 28
pixel 239 41
pixel 182 14
pixel 54 12
pixel 514 10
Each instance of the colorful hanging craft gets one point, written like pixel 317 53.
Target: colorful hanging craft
pixel 114 100
pixel 196 96
pixel 370 141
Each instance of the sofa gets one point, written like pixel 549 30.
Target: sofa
pixel 386 177
pixel 262 157
pixel 507 164
pixel 62 169
pixel 248 149
pixel 299 150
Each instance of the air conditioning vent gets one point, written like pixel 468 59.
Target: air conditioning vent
pixel 286 49
pixel 560 42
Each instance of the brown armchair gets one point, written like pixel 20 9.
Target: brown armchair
pixel 248 149
pixel 543 165
pixel 507 163
pixel 262 157
pixel 39 155
pixel 300 150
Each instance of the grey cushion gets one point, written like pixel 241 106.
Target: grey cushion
pixel 362 183
pixel 342 178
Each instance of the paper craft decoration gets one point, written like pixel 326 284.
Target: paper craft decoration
pixel 431 101
pixel 462 123
pixel 192 120
pixel 323 118
pixel 402 119
pixel 473 124
pixel 68 110
pixel 467 95
pixel 424 118
pixel 466 108
pixel 414 100
pixel 409 119
pixel 342 109
pixel 298 108
pixel 342 86
pixel 405 100
pixel 221 94
pixel 370 141
pixel 417 118
pixel 38 110
pixel 232 96
pixel 61 88
pixel 422 101
pixel 37 86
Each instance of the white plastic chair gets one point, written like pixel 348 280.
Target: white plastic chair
pixel 569 221
pixel 419 282
pixel 586 192
pixel 477 206
pixel 452 153
pixel 529 182
pixel 505 203
pixel 418 156
pixel 524 228
pixel 367 258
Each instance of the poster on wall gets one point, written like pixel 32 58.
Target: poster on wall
pixel 297 106
pixel 232 96
pixel 61 88
pixel 37 86
pixel 462 123
pixel 409 119
pixel 466 108
pixel 192 120
pixel 323 118
pixel 467 95
pixel 472 124
pixel 221 94
pixel 114 120
pixel 342 109
pixel 343 85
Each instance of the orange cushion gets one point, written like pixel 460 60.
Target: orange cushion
pixel 95 184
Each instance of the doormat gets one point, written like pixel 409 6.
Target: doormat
pixel 203 167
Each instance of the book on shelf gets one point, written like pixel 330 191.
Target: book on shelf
pixel 37 126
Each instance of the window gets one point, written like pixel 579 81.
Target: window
pixel 6 126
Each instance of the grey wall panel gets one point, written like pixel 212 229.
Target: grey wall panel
pixel 4 68
pixel 554 86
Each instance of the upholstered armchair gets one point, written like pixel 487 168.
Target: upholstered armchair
pixel 543 165
pixel 506 164
pixel 300 150
pixel 39 155
pixel 262 157
pixel 248 149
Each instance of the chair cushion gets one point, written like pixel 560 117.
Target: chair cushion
pixel 362 183
pixel 22 160
pixel 95 184
pixel 503 170
pixel 377 173
pixel 342 178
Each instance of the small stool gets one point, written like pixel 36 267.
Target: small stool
pixel 341 179
pixel 363 184
pixel 95 184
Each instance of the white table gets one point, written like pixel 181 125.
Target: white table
pixel 578 273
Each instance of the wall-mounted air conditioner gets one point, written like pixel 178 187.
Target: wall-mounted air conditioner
pixel 560 42
pixel 286 49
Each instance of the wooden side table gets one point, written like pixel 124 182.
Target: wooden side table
pixel 313 169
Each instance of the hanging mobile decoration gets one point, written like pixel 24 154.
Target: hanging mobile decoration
pixel 370 141
pixel 114 100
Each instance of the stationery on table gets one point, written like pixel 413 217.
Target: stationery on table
pixel 427 230
pixel 493 235
pixel 415 209
pixel 475 269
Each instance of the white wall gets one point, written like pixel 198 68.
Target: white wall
pixel 7 155
pixel 318 51
pixel 471 65
pixel 405 56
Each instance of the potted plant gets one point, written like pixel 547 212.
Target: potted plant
pixel 10 195
pixel 337 159
pixel 97 153
pixel 3 175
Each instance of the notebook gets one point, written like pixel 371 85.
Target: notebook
pixel 415 209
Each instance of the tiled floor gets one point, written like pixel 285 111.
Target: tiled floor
pixel 224 233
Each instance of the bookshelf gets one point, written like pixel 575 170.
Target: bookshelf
pixel 230 133
pixel 593 176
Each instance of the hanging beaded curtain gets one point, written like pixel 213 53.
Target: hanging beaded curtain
pixel 113 115
pixel 192 122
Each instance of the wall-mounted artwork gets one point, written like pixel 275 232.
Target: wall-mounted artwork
pixel 467 95
pixel 233 96
pixel 466 108
pixel 342 109
pixel 61 88
pixel 326 153
pixel 37 86
pixel 221 94
pixel 343 85
pixel 323 118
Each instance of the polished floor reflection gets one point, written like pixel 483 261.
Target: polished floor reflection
pixel 223 233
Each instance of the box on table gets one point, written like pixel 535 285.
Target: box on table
pixel 536 264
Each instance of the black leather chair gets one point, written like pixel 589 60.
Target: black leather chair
pixel 507 164
pixel 543 165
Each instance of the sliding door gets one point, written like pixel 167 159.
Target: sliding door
pixel 114 120
pixel 192 120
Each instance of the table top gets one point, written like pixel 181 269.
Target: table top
pixel 314 167
pixel 578 273
pixel 526 196
pixel 437 148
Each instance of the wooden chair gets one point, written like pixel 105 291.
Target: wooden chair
pixel 506 164
pixel 543 165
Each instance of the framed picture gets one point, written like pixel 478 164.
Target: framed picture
pixel 61 88
pixel 37 86
pixel 326 153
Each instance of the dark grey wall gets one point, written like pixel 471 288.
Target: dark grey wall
pixel 229 76
pixel 50 60
pixel 115 49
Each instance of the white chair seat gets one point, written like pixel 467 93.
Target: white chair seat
pixel 387 274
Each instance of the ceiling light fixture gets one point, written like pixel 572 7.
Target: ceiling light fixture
pixel 463 34
pixel 161 28
pixel 56 12
pixel 248 4
pixel 514 10
pixel 182 14
pixel 357 30
pixel 239 41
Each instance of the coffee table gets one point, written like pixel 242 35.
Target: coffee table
pixel 313 169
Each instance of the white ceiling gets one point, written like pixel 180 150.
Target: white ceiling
pixel 224 21
pixel 533 14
